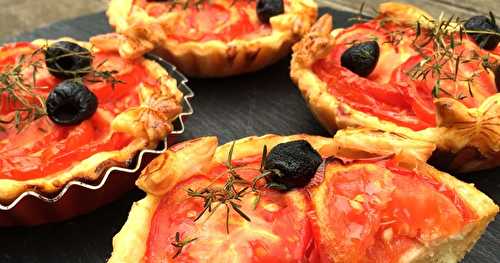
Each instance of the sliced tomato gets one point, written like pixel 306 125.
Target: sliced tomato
pixel 279 230
pixel 389 92
pixel 348 207
pixel 415 92
pixel 44 147
pixel 382 100
pixel 212 21
pixel 376 211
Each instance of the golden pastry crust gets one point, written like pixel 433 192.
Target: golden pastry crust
pixel 143 33
pixel 196 156
pixel 152 122
pixel 451 135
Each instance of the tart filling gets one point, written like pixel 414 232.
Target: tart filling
pixel 403 85
pixel 378 211
pixel 210 20
pixel 372 211
pixel 66 110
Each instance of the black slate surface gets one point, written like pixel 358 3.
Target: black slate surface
pixel 231 108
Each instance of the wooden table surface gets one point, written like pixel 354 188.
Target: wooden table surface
pixel 461 8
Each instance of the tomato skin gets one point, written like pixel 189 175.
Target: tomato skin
pixel 211 21
pixel 376 211
pixel 279 231
pixel 364 211
pixel 44 148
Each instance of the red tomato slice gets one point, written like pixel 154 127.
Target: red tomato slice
pixel 43 147
pixel 279 230
pixel 383 101
pixel 388 92
pixel 365 212
pixel 212 21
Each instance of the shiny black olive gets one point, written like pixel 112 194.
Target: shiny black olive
pixel 361 58
pixel 68 60
pixel 294 164
pixel 269 8
pixel 70 103
pixel 482 23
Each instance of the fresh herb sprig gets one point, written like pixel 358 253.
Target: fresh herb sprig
pixel 234 189
pixel 91 73
pixel 19 92
pixel 180 244
pixel 444 35
pixel 230 195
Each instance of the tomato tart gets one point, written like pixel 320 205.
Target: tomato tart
pixel 301 199
pixel 212 38
pixel 69 110
pixel 403 71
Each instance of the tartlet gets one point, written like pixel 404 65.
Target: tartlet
pixel 399 89
pixel 210 38
pixel 377 203
pixel 134 102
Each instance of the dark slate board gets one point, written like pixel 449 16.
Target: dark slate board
pixel 231 108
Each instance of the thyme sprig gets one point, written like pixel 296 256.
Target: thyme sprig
pixel 362 16
pixel 230 194
pixel 91 73
pixel 180 244
pixel 19 92
pixel 444 36
pixel 235 188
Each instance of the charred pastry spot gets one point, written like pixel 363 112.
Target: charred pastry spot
pixel 292 165
pixel 70 103
pixel 67 60
pixel 488 27
pixel 361 58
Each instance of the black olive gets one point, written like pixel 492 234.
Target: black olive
pixel 269 8
pixel 361 58
pixel 68 60
pixel 294 164
pixel 483 23
pixel 70 103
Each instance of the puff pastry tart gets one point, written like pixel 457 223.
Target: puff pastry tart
pixel 212 38
pixel 301 199
pixel 69 110
pixel 405 72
